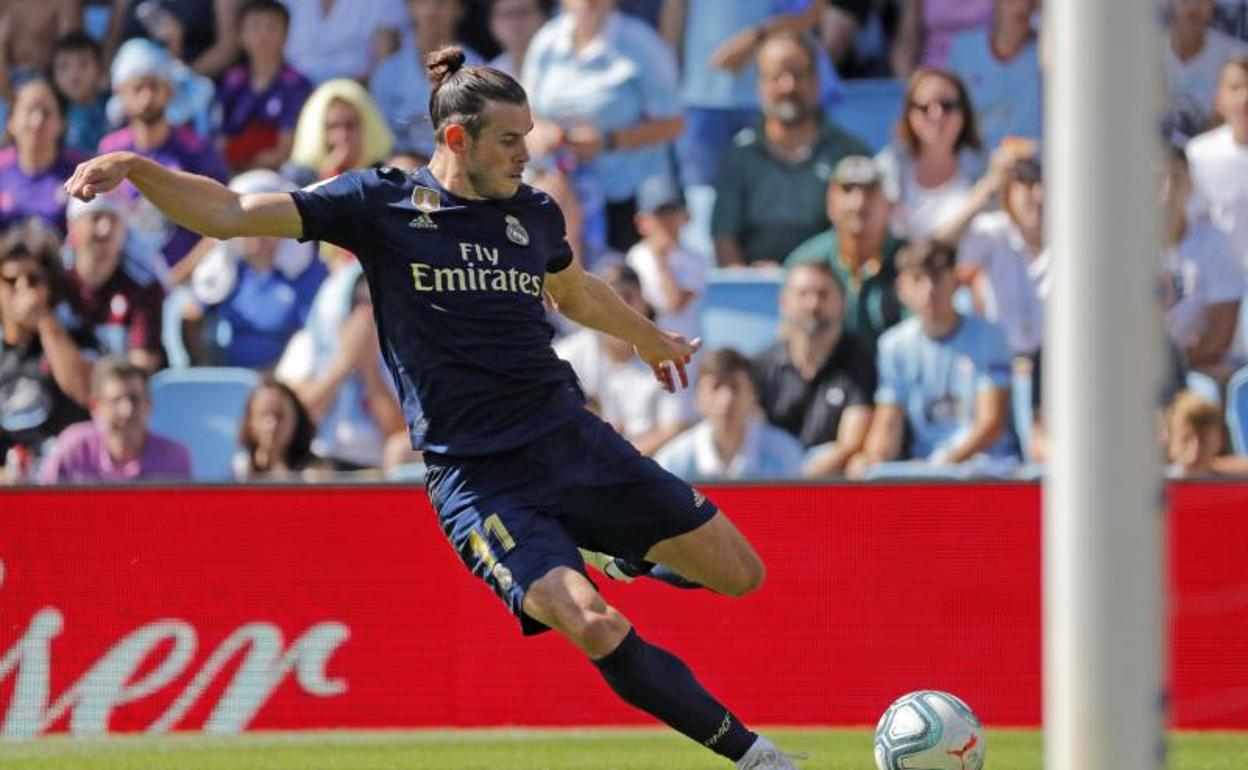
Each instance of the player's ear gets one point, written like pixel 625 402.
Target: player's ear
pixel 456 138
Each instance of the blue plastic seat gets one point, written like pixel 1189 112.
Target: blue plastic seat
pixel 741 309
pixel 1237 410
pixel 202 408
pixel 870 109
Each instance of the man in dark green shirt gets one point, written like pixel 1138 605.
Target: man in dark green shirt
pixel 769 196
pixel 859 248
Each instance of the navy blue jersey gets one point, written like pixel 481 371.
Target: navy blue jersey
pixel 457 295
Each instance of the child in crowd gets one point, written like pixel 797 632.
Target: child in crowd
pixel 78 72
pixel 1193 436
pixel 673 279
pixel 258 101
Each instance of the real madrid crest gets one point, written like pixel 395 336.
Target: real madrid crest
pixel 426 199
pixel 516 232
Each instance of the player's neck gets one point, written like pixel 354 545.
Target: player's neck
pixel 452 177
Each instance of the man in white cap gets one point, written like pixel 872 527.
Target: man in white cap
pixel 108 295
pixel 142 76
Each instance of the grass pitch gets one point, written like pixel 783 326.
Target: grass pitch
pixel 640 749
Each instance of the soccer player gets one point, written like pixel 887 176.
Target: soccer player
pixel 457 257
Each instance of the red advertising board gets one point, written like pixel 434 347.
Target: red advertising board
pixel 226 609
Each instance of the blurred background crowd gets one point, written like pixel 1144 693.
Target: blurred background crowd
pixel 843 198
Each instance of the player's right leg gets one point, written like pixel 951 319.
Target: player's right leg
pixel 645 676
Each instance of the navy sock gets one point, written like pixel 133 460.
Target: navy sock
pixel 659 684
pixel 642 568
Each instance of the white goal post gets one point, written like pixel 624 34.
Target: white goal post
pixel 1103 600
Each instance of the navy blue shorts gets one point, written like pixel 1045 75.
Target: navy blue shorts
pixel 514 516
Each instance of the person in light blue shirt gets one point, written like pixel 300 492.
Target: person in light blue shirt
pixel 1001 69
pixel 733 440
pixel 943 377
pixel 400 85
pixel 722 100
pixel 603 88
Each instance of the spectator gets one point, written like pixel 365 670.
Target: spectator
pixel 33 170
pixel 718 103
pixel 28 31
pixel 944 377
pixel 1219 158
pixel 673 279
pixel 203 34
pixel 254 293
pixel 732 441
pixel 276 435
pixel 342 38
pixel 1001 69
pixel 44 370
pixel 1004 259
pixel 513 23
pixel 620 386
pixel 258 102
pixel 334 366
pixel 720 40
pixel 143 78
pixel 817 382
pixel 930 169
pixel 773 181
pixel 1193 436
pixel 1206 280
pixel 116 444
pixel 927 29
pixel 110 296
pixel 400 86
pixel 1193 58
pixel 603 88
pixel 859 249
pixel 339 129
pixel 79 74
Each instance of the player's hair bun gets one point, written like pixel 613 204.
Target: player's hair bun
pixel 443 63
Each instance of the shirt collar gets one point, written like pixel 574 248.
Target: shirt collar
pixel 706 460
pixel 605 40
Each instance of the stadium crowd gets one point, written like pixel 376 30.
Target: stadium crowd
pixel 688 142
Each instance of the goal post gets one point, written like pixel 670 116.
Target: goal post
pixel 1103 535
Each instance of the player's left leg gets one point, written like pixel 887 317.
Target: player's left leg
pixel 715 555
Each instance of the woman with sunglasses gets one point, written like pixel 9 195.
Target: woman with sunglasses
pixel 930 168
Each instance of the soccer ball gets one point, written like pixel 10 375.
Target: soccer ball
pixel 929 730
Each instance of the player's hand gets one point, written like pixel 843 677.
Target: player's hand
pixel 99 175
pixel 669 351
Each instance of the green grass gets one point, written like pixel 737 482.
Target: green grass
pixel 524 750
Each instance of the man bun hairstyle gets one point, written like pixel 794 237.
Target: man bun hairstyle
pixel 460 93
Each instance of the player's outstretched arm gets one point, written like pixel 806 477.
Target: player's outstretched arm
pixel 592 302
pixel 196 202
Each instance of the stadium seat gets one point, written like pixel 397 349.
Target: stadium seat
pixel 1237 410
pixel 202 408
pixel 741 309
pixel 869 109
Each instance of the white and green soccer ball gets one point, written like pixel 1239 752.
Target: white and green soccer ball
pixel 929 730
